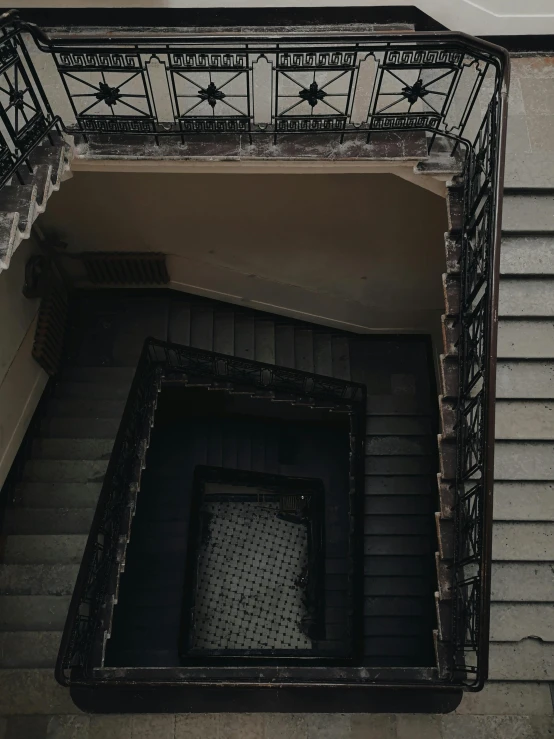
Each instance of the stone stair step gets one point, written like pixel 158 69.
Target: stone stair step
pixel 28 691
pixel 265 341
pixel 65 470
pixel 224 332
pixel 98 375
pixel 96 390
pixel 512 622
pixel 48 520
pixel 82 449
pixel 523 541
pixel 80 428
pixel 521 339
pixel 304 349
pixel 530 420
pixel 398 426
pixel 86 408
pixel 58 494
pixel 29 649
pixel 400 465
pixel 44 548
pixel 525 379
pixel 399 445
pixel 522 581
pixel 526 297
pixel 519 460
pixel 20 199
pixel 284 346
pixel 202 328
pixel 528 210
pixel 323 354
pixel 37 579
pixel 526 660
pixel 33 612
pixel 397 485
pixel 245 337
pixel 527 254
pixel 524 501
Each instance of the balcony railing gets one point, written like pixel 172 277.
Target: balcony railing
pixel 348 89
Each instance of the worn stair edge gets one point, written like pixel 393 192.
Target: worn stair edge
pixel 452 290
pixel 444 577
pixel 447 411
pixel 449 375
pixel 18 230
pixel 445 535
pixel 447 456
pixel 444 618
pixel 450 334
pixel 447 496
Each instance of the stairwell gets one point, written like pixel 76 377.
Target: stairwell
pixel 46 529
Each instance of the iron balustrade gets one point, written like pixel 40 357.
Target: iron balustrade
pixel 349 88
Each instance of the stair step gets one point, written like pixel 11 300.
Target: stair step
pixel 224 332
pixel 99 375
pixel 58 494
pixel 397 545
pixel 398 445
pixel 406 525
pixel 80 428
pixel 48 521
pixel 86 408
pixel 323 354
pixel 65 470
pixel 378 505
pixel 19 199
pixel 395 586
pixel 400 465
pixel 81 449
pixel 398 485
pixel 396 405
pixel 37 579
pixel 528 211
pixel 284 346
pixel 202 328
pixel 304 349
pixel 33 612
pixel 341 357
pixel 265 341
pixel 29 649
pixel 96 390
pixel 44 548
pixel 398 426
pixel 245 338
pixel 35 691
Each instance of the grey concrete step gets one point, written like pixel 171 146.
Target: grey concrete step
pixel 37 579
pixel 524 461
pixel 20 199
pixel 33 612
pixel 526 297
pixel 224 332
pixel 65 470
pixel 516 621
pixel 31 692
pixel 304 349
pixel 264 341
pixel 402 445
pixel 44 548
pixel 202 328
pixel 525 379
pixel 58 494
pixel 528 211
pixel 527 255
pixel 522 581
pixel 530 169
pixel 48 520
pixel 82 449
pixel 99 375
pixel 524 501
pixel 521 541
pixel 86 408
pixel 531 419
pixel 526 660
pixel 80 428
pixel 29 649
pixel 96 390
pixel 526 339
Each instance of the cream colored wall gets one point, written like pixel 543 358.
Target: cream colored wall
pixel 21 379
pixel 361 251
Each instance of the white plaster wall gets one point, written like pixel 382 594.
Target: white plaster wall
pixel 360 251
pixel 21 379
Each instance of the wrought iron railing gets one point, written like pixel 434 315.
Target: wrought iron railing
pixel 91 610
pixel 348 89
